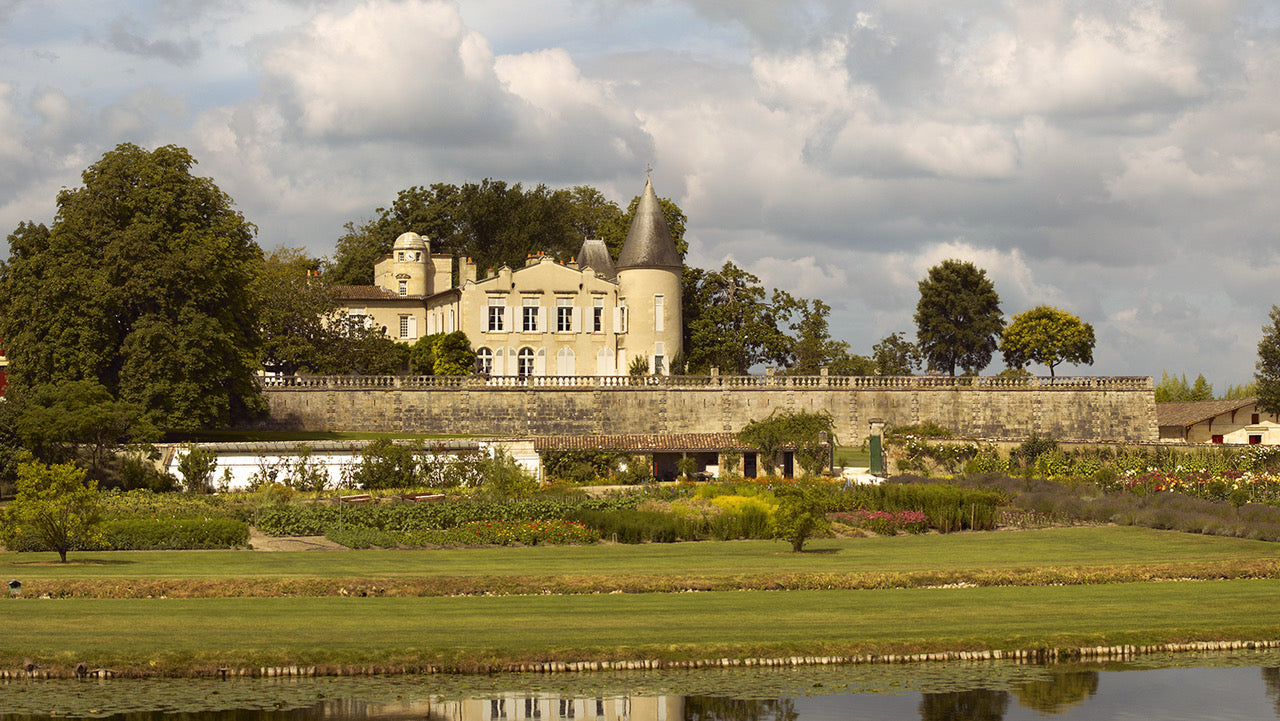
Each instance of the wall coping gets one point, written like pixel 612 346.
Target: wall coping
pixel 477 382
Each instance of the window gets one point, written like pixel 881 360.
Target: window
pixel 566 708
pixel 524 363
pixel 400 256
pixel 657 313
pixel 1255 419
pixel 531 708
pixel 597 316
pixel 484 361
pixel 658 356
pixel 356 319
pixel 404 326
pixel 1217 439
pixel 564 315
pixel 566 362
pixel 497 315
pixel 404 287
pixel 529 316
pixel 497 708
pixel 1255 440
pixel 620 319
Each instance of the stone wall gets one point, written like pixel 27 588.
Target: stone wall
pixel 1084 409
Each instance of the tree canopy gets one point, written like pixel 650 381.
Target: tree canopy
pixel 731 322
pixel 894 355
pixel 143 285
pixel 56 507
pixel 493 223
pixel 958 320
pixel 1048 336
pixel 1172 389
pixel 1267 376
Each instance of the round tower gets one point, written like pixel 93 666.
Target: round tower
pixel 405 272
pixel 649 284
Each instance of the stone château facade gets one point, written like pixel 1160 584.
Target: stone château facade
pixel 584 318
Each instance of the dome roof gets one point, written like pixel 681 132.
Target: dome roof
pixel 410 241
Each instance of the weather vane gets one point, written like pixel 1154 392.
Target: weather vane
pixel 648 168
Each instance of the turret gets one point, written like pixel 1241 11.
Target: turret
pixel 649 282
pixel 404 272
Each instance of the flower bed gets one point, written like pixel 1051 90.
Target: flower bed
pixel 885 523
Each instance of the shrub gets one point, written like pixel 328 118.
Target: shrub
pixel 635 526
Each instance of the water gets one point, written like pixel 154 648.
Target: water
pixel 1225 688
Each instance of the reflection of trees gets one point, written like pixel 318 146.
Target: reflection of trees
pixel 1271 677
pixel 710 708
pixel 1056 694
pixel 977 705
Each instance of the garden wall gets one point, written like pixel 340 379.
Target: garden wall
pixel 1085 409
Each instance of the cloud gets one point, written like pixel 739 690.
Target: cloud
pixel 181 52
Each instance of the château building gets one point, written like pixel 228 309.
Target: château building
pixel 586 317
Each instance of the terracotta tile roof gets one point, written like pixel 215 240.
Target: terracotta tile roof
pixel 1189 413
pixel 364 292
pixel 645 442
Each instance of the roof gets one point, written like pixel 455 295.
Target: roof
pixel 645 442
pixel 364 292
pixel 595 255
pixel 1189 413
pixel 649 243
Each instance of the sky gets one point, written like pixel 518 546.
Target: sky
pixel 1118 160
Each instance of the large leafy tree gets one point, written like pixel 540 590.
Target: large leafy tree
pixel 1048 336
pixel 142 284
pixel 958 320
pixel 812 346
pixel 732 323
pixel 62 421
pixel 297 313
pixel 1267 376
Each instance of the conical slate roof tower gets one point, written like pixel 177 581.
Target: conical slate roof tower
pixel 649 243
pixel 649 277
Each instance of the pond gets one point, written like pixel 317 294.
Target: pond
pixel 1227 686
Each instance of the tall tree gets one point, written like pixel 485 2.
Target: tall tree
pixel 812 347
pixel 894 355
pixel 958 321
pixel 142 283
pixel 1048 336
pixel 1267 376
pixel 1173 389
pixel 737 324
pixel 297 312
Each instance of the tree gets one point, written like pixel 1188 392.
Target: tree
pixel 297 313
pixel 894 355
pixel 812 347
pixel 142 284
pixel 442 354
pixel 958 320
pixel 800 431
pixel 1174 389
pixel 847 364
pixel 59 420
pixel 1048 336
pixel 801 514
pixel 1267 376
pixel 56 507
pixel 197 466
pixel 735 324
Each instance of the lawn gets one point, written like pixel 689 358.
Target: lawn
pixel 183 635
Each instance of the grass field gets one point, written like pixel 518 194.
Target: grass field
pixel 183 635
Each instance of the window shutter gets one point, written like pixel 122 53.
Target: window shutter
pixel 540 362
pixel 617 319
pixel 575 320
pixel 506 318
pixel 413 326
pixel 499 366
pixel 542 320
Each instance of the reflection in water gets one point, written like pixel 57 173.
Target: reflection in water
pixel 711 708
pixel 1271 679
pixel 977 705
pixel 1056 694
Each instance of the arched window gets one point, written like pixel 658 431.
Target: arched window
pixel 604 362
pixel 565 363
pixel 524 362
pixel 484 361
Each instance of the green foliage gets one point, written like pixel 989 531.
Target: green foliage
pixel 442 354
pixel 812 347
pixel 801 514
pixel 386 464
pixel 143 285
pixel 635 526
pixel 731 322
pixel 1244 390
pixel 1173 389
pixel 894 355
pixel 1032 448
pixel 504 478
pixel 958 319
pixel 1267 376
pixel 949 507
pixel 152 534
pixel 297 313
pixel 799 431
pixel 1048 336
pixel 56 507
pixel 583 467
pixel 60 420
pixel 928 429
pixel 639 366
pixel 197 466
